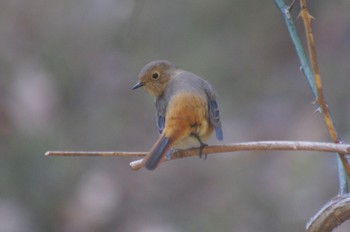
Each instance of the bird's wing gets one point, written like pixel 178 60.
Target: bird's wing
pixel 161 109
pixel 214 114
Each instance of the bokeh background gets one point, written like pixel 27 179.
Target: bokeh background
pixel 67 68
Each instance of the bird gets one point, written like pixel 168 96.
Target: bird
pixel 187 109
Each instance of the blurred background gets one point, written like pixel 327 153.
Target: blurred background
pixel 67 68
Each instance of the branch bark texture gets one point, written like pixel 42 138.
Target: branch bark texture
pixel 332 214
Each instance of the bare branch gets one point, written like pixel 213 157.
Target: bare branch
pixel 95 153
pixel 256 146
pixel 233 147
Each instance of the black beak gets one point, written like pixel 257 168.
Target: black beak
pixel 138 85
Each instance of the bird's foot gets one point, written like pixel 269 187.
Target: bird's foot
pixel 201 147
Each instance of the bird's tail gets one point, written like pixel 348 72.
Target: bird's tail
pixel 157 152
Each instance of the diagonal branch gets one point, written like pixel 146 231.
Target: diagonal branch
pixel 306 17
pixel 285 10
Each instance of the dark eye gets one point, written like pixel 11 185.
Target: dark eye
pixel 155 76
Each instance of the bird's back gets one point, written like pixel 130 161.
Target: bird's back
pixel 185 107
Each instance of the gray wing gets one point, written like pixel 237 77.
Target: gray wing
pixel 214 114
pixel 161 105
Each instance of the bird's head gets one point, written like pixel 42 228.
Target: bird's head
pixel 155 76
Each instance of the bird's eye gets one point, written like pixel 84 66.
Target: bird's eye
pixel 155 76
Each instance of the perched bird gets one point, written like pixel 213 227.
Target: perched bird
pixel 186 105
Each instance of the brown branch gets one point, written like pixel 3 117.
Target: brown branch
pixel 306 17
pixel 233 147
pixel 334 213
pixel 95 153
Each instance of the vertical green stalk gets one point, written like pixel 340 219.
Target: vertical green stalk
pixel 342 179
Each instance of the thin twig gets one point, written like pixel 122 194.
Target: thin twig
pixel 233 147
pixel 290 7
pixel 306 17
pixel 95 153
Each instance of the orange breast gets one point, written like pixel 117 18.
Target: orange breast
pixel 187 113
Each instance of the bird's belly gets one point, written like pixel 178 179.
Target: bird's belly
pixel 192 141
pixel 188 142
pixel 187 120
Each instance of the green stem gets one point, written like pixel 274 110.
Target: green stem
pixel 343 182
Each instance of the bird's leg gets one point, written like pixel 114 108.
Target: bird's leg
pixel 201 146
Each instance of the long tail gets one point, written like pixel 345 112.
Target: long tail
pixel 157 152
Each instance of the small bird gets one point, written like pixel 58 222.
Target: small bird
pixel 187 110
